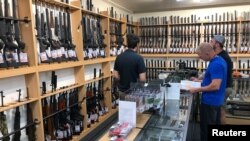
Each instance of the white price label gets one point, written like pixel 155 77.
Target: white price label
pixel 23 57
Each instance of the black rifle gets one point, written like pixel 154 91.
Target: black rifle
pixel 30 130
pixel 10 54
pixel 52 42
pixel 3 126
pixel 17 135
pixel 3 63
pixel 53 81
pixel 71 46
pixel 21 45
pixel 43 87
pixel 41 35
pixel 100 38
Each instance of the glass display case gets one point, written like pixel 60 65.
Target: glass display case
pixel 170 123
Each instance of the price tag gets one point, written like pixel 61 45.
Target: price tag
pixel 59 134
pixel 15 57
pixel 43 56
pixel 77 128
pixel 245 49
pixel 106 109
pixel 23 57
pixel 1 58
pixel 59 52
pixel 48 53
pixel 71 53
pixel 171 49
pixel 102 53
pixel 54 53
pixel 100 113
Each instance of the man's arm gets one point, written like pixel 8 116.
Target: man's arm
pixel 142 77
pixel 116 75
pixel 197 79
pixel 213 86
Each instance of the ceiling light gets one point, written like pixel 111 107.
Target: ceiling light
pixel 202 1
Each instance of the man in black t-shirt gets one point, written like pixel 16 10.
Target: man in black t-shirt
pixel 218 43
pixel 129 66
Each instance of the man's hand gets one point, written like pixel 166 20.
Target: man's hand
pixel 194 90
pixel 195 79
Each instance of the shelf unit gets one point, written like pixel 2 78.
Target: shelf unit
pixel 236 56
pixel 33 72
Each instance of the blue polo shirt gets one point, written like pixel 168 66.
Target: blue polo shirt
pixel 217 69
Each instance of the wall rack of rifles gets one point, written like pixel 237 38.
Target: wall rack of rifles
pixel 48 36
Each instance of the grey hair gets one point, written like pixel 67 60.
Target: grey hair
pixel 205 48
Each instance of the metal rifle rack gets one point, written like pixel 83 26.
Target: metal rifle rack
pixel 64 109
pixel 28 125
pixel 2 96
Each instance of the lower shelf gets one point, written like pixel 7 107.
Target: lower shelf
pixel 94 126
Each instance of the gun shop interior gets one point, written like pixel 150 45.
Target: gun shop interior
pixel 122 70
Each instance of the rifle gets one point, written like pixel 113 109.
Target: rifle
pixel 17 134
pixel 62 103
pixel 100 37
pixel 3 63
pixel 30 130
pixel 45 56
pixel 88 94
pixel 22 57
pixel 45 109
pixel 74 112
pixel 50 120
pixel 85 38
pixel 100 92
pixel 71 46
pixel 10 54
pixel 52 42
pixel 3 126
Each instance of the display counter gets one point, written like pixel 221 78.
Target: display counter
pixel 170 123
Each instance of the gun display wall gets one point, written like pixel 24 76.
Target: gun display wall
pixel 12 48
pixel 53 27
pixel 185 34
pixel 153 35
pixel 17 130
pixel 51 35
pixel 93 40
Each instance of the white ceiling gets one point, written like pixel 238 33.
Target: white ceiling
pixel 142 6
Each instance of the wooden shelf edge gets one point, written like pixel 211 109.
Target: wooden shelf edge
pixel 93 126
pixel 57 66
pixel 141 26
pixel 61 90
pixel 93 13
pixel 182 55
pixel 97 79
pixel 63 4
pixel 17 104
pixel 16 72
pixel 116 20
pixel 240 55
pixel 154 55
pixel 97 61
pixel 132 24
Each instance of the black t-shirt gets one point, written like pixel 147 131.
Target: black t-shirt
pixel 229 62
pixel 129 65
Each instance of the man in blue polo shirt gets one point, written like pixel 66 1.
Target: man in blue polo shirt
pixel 213 88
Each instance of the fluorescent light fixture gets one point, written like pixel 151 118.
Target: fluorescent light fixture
pixel 202 1
pixel 179 0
